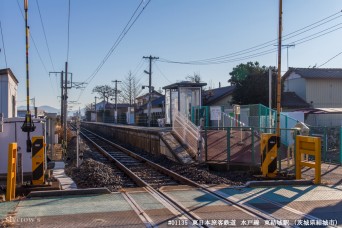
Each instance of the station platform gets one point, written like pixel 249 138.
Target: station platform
pixel 313 205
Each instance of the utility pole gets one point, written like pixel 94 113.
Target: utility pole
pixel 62 95
pixel 77 140
pixel 270 97
pixel 62 99
pixel 95 110
pixel 149 88
pixel 287 52
pixel 279 71
pixel 65 106
pixel 116 100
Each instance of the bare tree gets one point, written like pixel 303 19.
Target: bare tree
pixel 130 89
pixel 88 107
pixel 194 78
pixel 104 91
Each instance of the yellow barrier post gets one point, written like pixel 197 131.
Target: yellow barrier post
pixel 268 154
pixel 38 160
pixel 306 145
pixel 11 171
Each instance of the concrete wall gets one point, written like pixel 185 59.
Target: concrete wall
pixel 147 139
pixel 8 90
pixel 294 83
pixel 13 133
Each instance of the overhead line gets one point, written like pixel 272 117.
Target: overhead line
pixel 46 41
pixel 68 36
pixel 330 59
pixel 115 45
pixel 34 43
pixel 162 72
pixel 302 40
pixel 119 41
pixel 264 45
pixel 3 43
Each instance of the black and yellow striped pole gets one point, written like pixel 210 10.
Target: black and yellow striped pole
pixel 28 125
pixel 38 160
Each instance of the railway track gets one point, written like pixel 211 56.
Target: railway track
pixel 140 170
pixel 152 177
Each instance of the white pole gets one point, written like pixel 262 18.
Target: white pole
pixel 77 149
pixel 77 140
pixel 270 97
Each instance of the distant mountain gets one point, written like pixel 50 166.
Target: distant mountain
pixel 44 108
pixel 49 109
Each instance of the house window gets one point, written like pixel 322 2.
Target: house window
pixel 13 106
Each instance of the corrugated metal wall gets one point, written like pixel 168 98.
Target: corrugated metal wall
pixel 325 93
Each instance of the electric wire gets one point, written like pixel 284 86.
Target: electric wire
pixel 123 33
pixel 68 36
pixel 269 51
pixel 3 43
pixel 46 40
pixel 160 71
pixel 298 32
pixel 47 46
pixel 330 59
pixel 270 43
pixel 138 67
pixel 34 43
pixel 118 40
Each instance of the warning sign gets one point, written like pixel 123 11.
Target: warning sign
pixel 215 113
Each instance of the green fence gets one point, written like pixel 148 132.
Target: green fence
pixel 241 145
pixel 331 143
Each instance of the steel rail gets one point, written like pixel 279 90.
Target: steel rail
pixel 223 197
pixel 161 197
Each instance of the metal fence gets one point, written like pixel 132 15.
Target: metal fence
pixel 330 141
pixel 257 116
pixel 241 145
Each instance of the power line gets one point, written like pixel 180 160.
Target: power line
pixel 46 41
pixel 269 51
pixel 219 59
pixel 138 67
pixel 119 39
pixel 34 43
pixel 116 43
pixel 3 44
pixel 68 39
pixel 329 59
pixel 162 73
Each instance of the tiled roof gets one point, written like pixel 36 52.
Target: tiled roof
pixel 333 73
pixel 185 84
pixel 146 94
pixel 213 95
pixel 292 100
pixel 155 103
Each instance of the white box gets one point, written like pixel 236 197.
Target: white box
pixel 13 133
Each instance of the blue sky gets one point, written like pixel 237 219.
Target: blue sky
pixel 179 30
